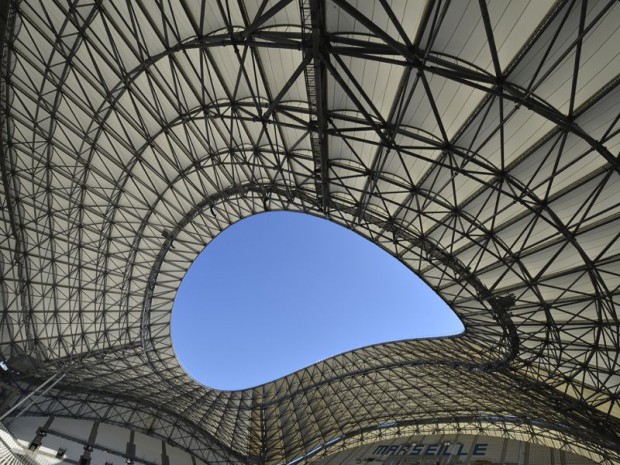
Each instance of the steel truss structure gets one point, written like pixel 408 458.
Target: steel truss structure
pixel 475 141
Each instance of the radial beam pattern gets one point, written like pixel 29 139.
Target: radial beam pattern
pixel 475 141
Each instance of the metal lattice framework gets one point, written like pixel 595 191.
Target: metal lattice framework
pixel 475 141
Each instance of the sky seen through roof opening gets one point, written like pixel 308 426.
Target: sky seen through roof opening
pixel 279 291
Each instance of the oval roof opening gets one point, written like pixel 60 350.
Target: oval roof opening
pixel 279 291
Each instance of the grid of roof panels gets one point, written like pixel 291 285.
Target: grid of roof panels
pixel 475 141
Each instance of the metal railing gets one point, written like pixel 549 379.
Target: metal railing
pixel 13 453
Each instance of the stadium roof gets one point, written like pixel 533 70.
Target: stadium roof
pixel 475 141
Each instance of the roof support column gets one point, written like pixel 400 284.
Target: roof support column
pixel 316 85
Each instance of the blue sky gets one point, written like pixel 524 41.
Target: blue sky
pixel 279 291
